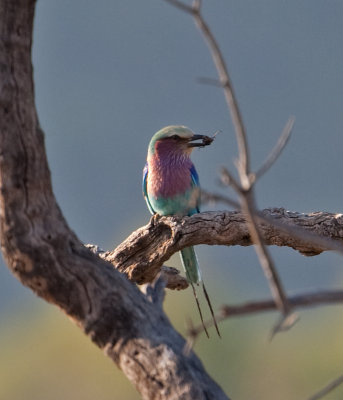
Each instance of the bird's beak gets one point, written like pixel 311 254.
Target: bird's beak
pixel 205 141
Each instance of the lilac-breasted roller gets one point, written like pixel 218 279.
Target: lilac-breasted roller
pixel 171 187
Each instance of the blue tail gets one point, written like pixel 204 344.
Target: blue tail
pixel 193 274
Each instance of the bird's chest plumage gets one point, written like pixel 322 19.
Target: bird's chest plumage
pixel 170 187
pixel 166 180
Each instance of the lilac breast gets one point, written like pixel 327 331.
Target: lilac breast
pixel 169 171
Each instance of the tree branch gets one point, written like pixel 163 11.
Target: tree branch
pixel 143 253
pixel 246 187
pixel 303 300
pixel 327 389
pixel 46 256
pixel 277 150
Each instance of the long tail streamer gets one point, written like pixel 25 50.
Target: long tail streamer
pixel 200 313
pixel 193 274
pixel 211 309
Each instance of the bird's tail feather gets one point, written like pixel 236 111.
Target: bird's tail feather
pixel 190 264
pixel 193 274
pixel 211 309
pixel 199 309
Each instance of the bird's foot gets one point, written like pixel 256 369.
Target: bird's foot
pixel 154 219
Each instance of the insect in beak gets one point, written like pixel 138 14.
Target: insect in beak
pixel 205 141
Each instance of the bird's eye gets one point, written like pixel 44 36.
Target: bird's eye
pixel 175 137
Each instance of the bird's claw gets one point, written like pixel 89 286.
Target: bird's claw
pixel 154 219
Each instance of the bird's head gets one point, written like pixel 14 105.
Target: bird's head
pixel 176 139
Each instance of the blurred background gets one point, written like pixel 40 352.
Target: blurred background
pixel 109 75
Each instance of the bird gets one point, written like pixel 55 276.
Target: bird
pixel 171 187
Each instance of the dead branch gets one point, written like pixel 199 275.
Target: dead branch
pixel 276 151
pixel 143 253
pixel 303 300
pixel 296 231
pixel 245 189
pixel 46 256
pixel 170 275
pixel 327 389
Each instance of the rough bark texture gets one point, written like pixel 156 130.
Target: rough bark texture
pixel 141 255
pixel 46 256
pixel 171 276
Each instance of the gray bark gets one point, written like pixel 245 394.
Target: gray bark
pixel 46 256
pixel 142 254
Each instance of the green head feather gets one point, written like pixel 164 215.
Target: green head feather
pixel 169 131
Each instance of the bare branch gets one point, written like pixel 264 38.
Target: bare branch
pixel 228 179
pixel 208 198
pixel 181 6
pixel 225 81
pixel 327 389
pixel 245 189
pixel 143 253
pixel 229 93
pixel 268 217
pixel 266 261
pixel 304 300
pixel 171 276
pixel 277 150
pixel 209 81
pixel 46 256
pixel 267 264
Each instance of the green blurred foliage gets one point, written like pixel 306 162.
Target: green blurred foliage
pixel 45 356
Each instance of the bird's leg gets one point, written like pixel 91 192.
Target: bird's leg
pixel 154 219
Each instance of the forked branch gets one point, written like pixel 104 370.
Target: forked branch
pixel 245 189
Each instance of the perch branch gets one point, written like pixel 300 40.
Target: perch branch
pixel 143 253
pixel 170 275
pixel 264 217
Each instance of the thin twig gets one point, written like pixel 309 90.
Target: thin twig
pixel 327 389
pixel 228 180
pixel 304 300
pixel 229 93
pixel 266 261
pixel 207 197
pixel 246 195
pixel 311 299
pixel 209 81
pixel 245 189
pixel 277 150
pixel 181 6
